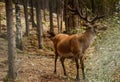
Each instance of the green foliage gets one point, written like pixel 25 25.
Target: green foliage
pixel 106 58
pixel 102 6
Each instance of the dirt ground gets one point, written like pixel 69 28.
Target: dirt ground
pixel 36 67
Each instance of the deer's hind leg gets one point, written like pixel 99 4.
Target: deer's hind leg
pixel 62 59
pixel 56 57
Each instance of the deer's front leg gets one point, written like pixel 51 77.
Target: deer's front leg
pixel 77 67
pixel 82 67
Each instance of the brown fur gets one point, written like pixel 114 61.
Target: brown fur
pixel 67 46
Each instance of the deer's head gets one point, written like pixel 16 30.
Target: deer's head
pixel 95 27
pixel 90 24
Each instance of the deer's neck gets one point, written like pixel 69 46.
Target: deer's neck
pixel 87 39
pixel 90 36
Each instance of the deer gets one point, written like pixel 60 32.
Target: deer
pixel 75 45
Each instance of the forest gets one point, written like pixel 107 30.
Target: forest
pixel 59 40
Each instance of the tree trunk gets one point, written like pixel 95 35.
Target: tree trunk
pixel 12 68
pixel 39 25
pixel 71 20
pixel 119 6
pixel 51 16
pixel 32 13
pixel 59 15
pixel 44 10
pixel 25 4
pixel 47 4
pixel 66 16
pixel 19 44
pixel 0 23
pixel 93 6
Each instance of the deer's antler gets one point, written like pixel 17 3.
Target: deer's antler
pixel 83 16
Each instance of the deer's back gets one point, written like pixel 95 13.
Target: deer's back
pixel 69 46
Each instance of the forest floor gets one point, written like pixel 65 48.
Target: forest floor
pixel 35 65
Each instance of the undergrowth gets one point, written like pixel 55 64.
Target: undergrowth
pixel 106 59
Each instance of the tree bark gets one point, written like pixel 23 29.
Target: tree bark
pixel 44 10
pixel 25 4
pixel 39 25
pixel 19 44
pixel 32 13
pixel 119 6
pixel 0 23
pixel 93 6
pixel 51 16
pixel 59 15
pixel 12 68
pixel 71 20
